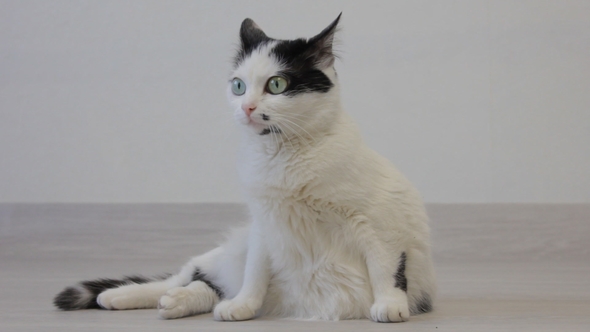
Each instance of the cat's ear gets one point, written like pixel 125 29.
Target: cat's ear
pixel 251 35
pixel 322 45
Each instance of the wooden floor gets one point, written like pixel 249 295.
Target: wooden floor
pixel 500 267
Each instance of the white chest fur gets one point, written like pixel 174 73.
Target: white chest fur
pixel 313 264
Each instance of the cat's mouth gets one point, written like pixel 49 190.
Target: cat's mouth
pixel 270 129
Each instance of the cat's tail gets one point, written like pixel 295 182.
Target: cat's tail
pixel 84 294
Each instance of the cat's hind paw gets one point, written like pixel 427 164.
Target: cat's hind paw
pixel 390 311
pixel 197 298
pixel 119 299
pixel 231 310
pixel 175 303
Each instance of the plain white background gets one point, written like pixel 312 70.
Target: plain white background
pixel 124 101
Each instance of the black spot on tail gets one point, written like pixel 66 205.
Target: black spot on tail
pixel 69 299
pixel 198 275
pixel 423 305
pixel 400 276
pixel 84 295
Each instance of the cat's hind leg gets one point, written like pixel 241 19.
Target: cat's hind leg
pixel 200 285
pixel 136 295
pixel 385 259
pixel 147 295
pixel 204 286
pixel 126 293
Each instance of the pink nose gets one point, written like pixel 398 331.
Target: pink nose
pixel 248 108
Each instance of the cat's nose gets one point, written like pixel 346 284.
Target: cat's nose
pixel 248 108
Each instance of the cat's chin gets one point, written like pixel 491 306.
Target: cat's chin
pixel 263 129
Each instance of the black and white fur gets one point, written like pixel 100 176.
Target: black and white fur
pixel 336 232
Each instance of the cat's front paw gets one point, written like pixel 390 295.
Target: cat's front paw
pixel 390 311
pixel 232 310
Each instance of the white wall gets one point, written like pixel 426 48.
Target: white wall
pixel 124 101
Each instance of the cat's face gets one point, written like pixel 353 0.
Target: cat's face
pixel 283 87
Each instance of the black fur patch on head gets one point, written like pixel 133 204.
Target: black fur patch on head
pixel 310 80
pixel 303 59
pixel 423 305
pixel 400 276
pixel 300 70
pixel 200 276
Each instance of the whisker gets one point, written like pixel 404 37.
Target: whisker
pixel 301 138
pixel 284 136
pixel 295 124
pixel 296 133
pixel 296 115
pixel 287 137
pixel 291 116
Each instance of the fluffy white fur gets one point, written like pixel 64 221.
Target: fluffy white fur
pixel 330 221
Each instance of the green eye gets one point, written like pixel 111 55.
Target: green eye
pixel 277 84
pixel 238 87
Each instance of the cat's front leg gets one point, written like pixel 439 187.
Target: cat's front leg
pixel 386 266
pixel 256 279
pixel 391 300
pixel 390 308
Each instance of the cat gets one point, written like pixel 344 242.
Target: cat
pixel 336 232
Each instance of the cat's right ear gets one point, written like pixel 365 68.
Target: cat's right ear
pixel 251 35
pixel 322 45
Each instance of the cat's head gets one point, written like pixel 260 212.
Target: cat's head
pixel 284 87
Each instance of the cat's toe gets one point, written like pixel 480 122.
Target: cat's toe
pixel 390 312
pixel 230 310
pixel 174 304
pixel 104 301
pixel 187 301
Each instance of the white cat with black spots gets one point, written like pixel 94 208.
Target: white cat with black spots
pixel 336 232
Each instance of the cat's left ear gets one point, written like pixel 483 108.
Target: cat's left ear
pixel 251 35
pixel 322 45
